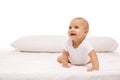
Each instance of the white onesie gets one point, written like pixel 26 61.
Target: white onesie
pixel 79 55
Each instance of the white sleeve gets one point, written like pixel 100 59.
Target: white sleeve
pixel 66 45
pixel 89 47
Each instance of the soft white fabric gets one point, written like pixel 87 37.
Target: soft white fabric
pixel 55 43
pixel 79 55
pixel 34 66
pixel 40 43
pixel 103 43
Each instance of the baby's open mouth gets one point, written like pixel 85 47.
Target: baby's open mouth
pixel 72 34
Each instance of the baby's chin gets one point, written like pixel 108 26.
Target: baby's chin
pixel 72 37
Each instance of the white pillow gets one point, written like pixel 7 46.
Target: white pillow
pixel 103 43
pixel 40 43
pixel 55 43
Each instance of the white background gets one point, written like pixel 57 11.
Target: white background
pixel 35 17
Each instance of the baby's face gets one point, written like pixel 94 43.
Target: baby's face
pixel 77 30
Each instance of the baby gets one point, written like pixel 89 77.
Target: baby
pixel 77 50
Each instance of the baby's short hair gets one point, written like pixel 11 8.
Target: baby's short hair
pixel 84 22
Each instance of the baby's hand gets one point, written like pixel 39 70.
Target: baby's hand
pixel 66 66
pixel 90 69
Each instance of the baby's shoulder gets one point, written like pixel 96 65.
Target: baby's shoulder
pixel 86 43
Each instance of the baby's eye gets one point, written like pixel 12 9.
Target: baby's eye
pixel 76 27
pixel 70 27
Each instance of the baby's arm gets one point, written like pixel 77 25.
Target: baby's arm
pixel 65 59
pixel 94 61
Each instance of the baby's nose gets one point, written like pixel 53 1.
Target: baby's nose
pixel 72 29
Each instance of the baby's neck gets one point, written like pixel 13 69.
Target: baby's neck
pixel 76 43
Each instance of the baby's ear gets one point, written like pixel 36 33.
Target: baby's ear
pixel 86 31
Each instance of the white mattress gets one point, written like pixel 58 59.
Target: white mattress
pixel 43 66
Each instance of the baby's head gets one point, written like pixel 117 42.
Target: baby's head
pixel 78 28
pixel 81 22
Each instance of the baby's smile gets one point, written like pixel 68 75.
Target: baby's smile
pixel 73 34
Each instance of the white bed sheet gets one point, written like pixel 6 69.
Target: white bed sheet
pixel 43 66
